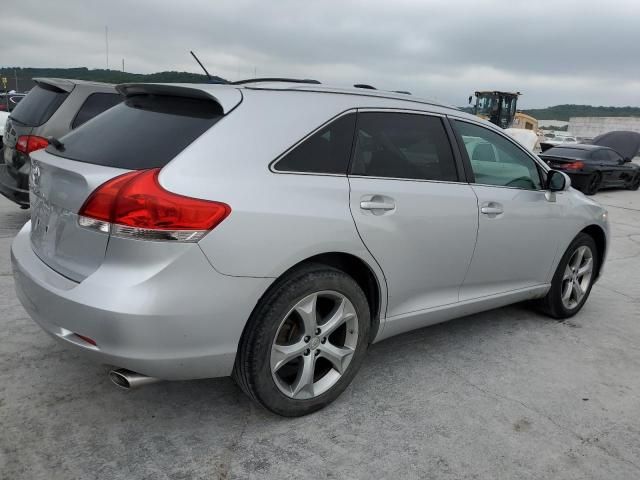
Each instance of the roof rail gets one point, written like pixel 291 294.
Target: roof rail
pixel 402 91
pixel 276 79
pixel 364 85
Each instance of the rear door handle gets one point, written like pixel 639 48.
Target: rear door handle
pixel 491 208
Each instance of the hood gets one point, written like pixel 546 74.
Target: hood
pixel 626 144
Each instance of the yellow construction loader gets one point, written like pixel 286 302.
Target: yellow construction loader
pixel 500 109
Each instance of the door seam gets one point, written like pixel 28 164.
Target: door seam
pixel 475 245
pixel 384 277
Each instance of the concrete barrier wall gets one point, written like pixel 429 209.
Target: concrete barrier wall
pixel 593 126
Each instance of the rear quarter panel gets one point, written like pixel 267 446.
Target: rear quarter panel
pixel 277 219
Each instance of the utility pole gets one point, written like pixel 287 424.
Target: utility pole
pixel 15 74
pixel 106 43
pixel 123 65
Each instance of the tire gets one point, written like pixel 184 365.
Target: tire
pixel 635 183
pixel 593 183
pixel 277 328
pixel 553 303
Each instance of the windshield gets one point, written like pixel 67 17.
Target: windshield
pixel 486 103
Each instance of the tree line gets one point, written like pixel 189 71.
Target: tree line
pixel 24 76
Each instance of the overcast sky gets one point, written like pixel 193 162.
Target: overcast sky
pixel 561 51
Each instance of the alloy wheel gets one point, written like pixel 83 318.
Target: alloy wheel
pixel 314 345
pixel 577 277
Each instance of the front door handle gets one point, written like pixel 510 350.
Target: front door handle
pixel 491 208
pixel 377 204
pixel 371 205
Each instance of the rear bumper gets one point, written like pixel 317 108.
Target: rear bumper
pixel 15 188
pixel 174 320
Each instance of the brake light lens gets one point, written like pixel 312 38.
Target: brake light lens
pixel 135 205
pixel 30 143
pixel 574 165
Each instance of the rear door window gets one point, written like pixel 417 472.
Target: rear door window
pixel 95 104
pixel 144 131
pixel 326 151
pixel 402 145
pixel 39 105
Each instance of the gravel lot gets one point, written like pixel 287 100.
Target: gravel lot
pixel 507 394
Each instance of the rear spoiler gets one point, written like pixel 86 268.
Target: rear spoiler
pixel 228 98
pixel 61 84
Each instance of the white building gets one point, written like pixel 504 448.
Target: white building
pixel 552 123
pixel 590 127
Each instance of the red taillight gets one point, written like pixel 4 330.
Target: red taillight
pixel 89 340
pixel 135 205
pixel 31 143
pixel 574 165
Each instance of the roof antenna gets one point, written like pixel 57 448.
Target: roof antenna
pixel 201 65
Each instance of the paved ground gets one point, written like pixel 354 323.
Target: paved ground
pixel 502 395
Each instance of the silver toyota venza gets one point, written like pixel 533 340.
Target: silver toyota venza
pixel 272 230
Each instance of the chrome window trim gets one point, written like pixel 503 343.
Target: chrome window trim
pixel 422 180
pixel 272 164
pixel 356 110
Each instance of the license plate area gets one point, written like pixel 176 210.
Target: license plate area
pixel 43 218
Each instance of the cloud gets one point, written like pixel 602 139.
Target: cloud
pixel 554 52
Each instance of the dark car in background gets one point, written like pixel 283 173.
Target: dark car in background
pixel 9 101
pixel 592 167
pixel 51 109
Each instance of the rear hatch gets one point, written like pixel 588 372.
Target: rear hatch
pixel 153 125
pixel 33 111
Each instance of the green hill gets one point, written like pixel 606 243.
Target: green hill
pixel 564 112
pixel 25 76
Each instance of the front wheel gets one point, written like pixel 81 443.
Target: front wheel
pixel 573 279
pixel 304 342
pixel 635 183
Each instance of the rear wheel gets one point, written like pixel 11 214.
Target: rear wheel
pixel 593 183
pixel 304 342
pixel 573 279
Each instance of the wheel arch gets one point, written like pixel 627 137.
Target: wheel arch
pixel 600 238
pixel 363 275
pixel 358 269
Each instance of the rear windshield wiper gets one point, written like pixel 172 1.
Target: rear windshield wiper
pixel 57 144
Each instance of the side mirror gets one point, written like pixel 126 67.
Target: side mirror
pixel 558 181
pixel 626 159
pixel 470 98
pixel 622 161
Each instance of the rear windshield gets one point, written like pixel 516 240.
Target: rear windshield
pixel 567 152
pixel 38 106
pixel 144 131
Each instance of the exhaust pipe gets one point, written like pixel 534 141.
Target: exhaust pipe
pixel 127 379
